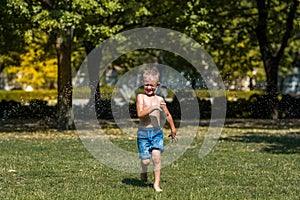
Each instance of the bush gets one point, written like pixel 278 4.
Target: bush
pixel 25 97
pixel 255 105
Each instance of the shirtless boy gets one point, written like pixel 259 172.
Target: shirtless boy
pixel 150 138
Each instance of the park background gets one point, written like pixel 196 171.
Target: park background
pixel 255 45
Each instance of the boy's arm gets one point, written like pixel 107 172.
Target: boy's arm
pixel 169 119
pixel 141 111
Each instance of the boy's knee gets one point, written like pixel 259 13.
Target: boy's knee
pixel 156 160
pixel 145 161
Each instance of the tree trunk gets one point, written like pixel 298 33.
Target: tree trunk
pixel 93 68
pixel 93 72
pixel 271 68
pixel 271 57
pixel 64 99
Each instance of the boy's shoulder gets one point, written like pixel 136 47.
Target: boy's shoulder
pixel 140 96
pixel 159 97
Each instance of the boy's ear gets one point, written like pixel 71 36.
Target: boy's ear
pixel 158 83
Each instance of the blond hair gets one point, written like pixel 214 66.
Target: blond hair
pixel 151 74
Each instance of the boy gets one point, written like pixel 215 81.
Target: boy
pixel 150 136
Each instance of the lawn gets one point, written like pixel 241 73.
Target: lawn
pixel 253 159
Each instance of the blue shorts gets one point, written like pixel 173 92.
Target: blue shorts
pixel 149 139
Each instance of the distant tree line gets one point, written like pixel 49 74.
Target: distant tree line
pixel 243 37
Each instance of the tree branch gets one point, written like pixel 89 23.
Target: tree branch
pixel 46 3
pixel 261 29
pixel 289 28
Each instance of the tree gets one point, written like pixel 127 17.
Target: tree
pixel 182 16
pixel 272 52
pixel 233 45
pixel 93 21
pixel 57 20
pixel 242 29
pixel 12 34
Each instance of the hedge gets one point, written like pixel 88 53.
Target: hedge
pixel 24 97
pixel 47 95
pixel 106 92
pixel 254 104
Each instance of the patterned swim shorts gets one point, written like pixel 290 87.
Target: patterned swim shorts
pixel 149 139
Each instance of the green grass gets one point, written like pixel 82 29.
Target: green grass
pixel 252 160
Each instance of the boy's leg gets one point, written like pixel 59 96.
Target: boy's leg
pixel 144 164
pixel 156 157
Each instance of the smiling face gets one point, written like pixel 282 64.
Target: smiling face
pixel 151 81
pixel 150 86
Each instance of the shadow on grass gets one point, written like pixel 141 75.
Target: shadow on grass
pixel 25 125
pixel 43 124
pixel 276 144
pixel 135 182
pixel 262 124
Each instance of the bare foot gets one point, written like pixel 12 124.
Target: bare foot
pixel 144 177
pixel 157 189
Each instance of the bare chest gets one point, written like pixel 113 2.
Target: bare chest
pixel 151 101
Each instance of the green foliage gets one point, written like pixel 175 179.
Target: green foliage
pixel 84 92
pixel 242 95
pixel 50 95
pixel 25 97
pixel 234 46
pixel 11 33
pixel 37 68
pixel 226 30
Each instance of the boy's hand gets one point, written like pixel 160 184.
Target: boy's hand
pixel 157 107
pixel 174 138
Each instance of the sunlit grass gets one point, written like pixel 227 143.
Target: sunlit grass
pixel 256 160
